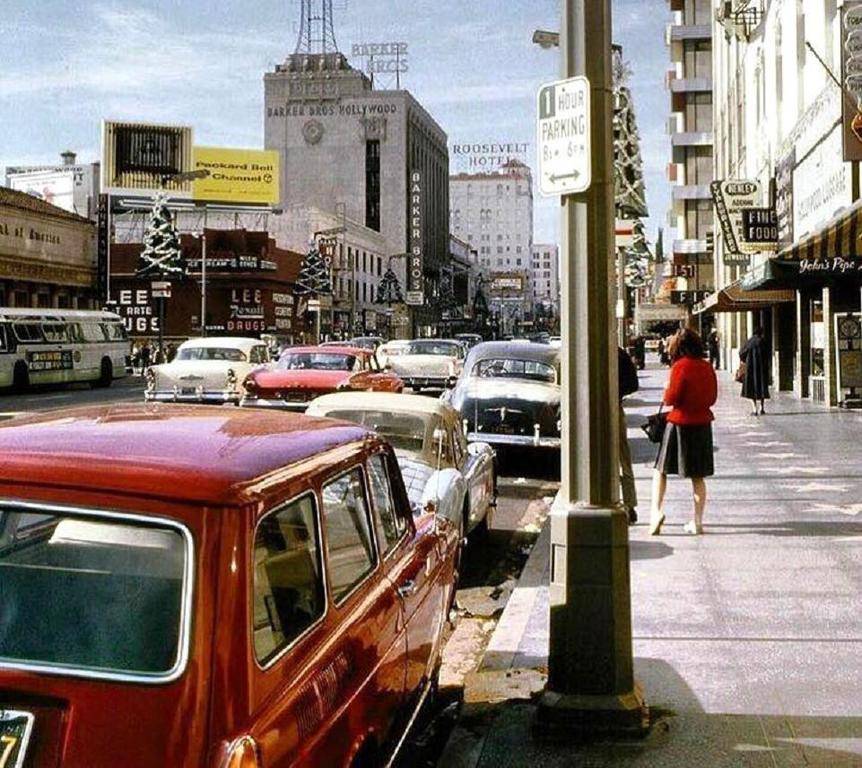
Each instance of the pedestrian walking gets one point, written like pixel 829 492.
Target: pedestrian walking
pixel 136 358
pixel 628 384
pixel 754 371
pixel 640 352
pixel 713 344
pixel 662 356
pixel 686 448
pixel 146 352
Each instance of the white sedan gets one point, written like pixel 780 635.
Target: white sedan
pixel 429 363
pixel 209 370
pixel 440 469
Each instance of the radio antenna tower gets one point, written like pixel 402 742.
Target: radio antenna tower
pixel 316 30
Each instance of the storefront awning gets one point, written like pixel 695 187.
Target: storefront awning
pixel 827 257
pixel 735 298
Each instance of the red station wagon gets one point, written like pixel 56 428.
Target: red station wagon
pixel 223 588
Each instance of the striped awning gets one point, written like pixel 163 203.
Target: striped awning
pixel 735 298
pixel 840 236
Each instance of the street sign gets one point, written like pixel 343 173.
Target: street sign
pixel 414 298
pixel 564 137
pixel 161 290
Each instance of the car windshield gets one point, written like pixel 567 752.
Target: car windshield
pixel 446 348
pixel 502 368
pixel 211 353
pixel 91 594
pixel 319 361
pixel 404 431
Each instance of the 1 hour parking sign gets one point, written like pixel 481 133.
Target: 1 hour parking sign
pixel 564 137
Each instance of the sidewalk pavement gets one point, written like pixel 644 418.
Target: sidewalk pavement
pixel 747 640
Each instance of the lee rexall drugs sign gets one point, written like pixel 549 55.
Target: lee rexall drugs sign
pixel 564 137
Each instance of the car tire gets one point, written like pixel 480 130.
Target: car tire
pixel 20 378
pixel 106 375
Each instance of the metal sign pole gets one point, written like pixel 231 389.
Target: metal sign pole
pixel 591 685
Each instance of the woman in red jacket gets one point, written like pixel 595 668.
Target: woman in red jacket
pixel 686 448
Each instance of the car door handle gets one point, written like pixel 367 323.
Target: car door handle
pixel 407 588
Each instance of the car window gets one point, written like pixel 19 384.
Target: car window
pixel 349 548
pixel 403 431
pixel 212 353
pixel 289 594
pixel 390 527
pixel 507 368
pixel 448 349
pixel 4 346
pixel 91 594
pixel 317 361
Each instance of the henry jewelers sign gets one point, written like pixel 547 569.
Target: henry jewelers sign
pixel 415 266
pixel 731 198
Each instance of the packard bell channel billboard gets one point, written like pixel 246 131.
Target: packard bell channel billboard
pixel 248 176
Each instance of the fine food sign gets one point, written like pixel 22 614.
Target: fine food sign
pixel 564 137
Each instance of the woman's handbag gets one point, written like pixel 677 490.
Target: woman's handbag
pixel 655 425
pixel 740 372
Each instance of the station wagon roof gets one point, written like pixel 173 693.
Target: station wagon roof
pixel 187 453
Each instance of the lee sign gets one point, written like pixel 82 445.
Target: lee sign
pixel 564 137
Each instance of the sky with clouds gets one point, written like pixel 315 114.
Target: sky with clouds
pixel 67 64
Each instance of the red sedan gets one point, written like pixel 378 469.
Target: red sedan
pixel 211 588
pixel 304 373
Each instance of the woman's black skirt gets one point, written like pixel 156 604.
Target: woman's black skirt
pixel 686 451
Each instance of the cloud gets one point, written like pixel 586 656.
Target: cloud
pixel 132 50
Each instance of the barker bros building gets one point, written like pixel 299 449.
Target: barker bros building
pixel 47 255
pixel 377 153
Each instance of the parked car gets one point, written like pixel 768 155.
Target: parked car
pixel 303 373
pixel 470 340
pixel 458 480
pixel 385 352
pixel 430 363
pixel 509 394
pixel 209 587
pixel 209 370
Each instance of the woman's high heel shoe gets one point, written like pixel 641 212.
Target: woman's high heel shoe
pixel 655 525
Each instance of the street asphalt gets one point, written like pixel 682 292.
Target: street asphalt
pixel 747 640
pixel 126 390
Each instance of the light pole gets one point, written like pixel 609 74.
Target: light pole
pixel 591 685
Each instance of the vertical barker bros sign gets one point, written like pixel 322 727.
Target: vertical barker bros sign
pixel 415 268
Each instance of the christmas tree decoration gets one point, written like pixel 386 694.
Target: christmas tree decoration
pixel 314 278
pixel 389 291
pixel 446 300
pixel 162 255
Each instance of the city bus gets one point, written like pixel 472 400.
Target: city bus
pixel 61 346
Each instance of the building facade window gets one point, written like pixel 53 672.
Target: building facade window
pixel 372 185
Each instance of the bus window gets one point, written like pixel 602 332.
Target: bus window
pixel 93 332
pixel 114 331
pixel 4 338
pixel 55 333
pixel 76 333
pixel 28 332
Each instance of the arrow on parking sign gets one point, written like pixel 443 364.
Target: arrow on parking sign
pixel 560 177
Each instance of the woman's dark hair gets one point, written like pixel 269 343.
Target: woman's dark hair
pixel 686 343
pixel 758 331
